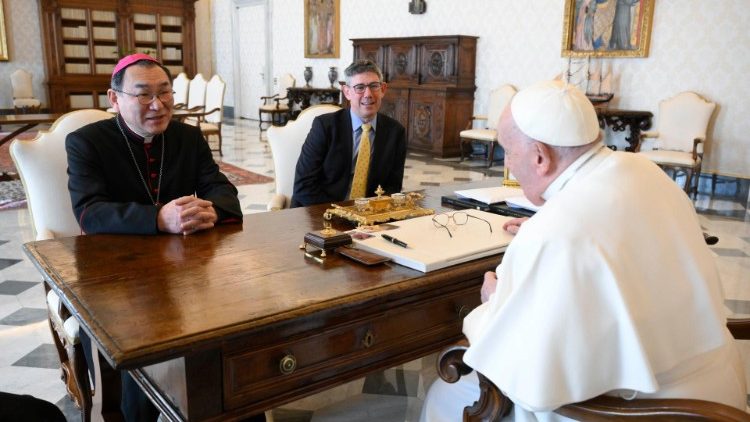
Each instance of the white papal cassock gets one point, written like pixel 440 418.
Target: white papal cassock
pixel 609 288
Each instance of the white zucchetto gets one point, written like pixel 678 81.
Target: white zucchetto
pixel 555 113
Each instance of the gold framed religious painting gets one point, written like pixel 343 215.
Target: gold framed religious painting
pixel 607 28
pixel 3 38
pixel 322 23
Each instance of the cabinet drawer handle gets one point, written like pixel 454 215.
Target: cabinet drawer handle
pixel 288 364
pixel 463 311
pixel 369 339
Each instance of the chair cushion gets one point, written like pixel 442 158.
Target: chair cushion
pixel 209 127
pixel 479 134
pixel 272 107
pixel 674 158
pixel 26 102
pixel 70 327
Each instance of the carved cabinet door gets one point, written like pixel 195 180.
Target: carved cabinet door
pixel 402 63
pixel 426 117
pixel 438 62
pixel 370 51
pixel 396 105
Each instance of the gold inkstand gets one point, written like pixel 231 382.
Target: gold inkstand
pixel 380 209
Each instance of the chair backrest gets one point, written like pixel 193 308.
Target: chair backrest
pixel 286 81
pixel 42 164
pixel 215 99
pixel 20 80
pixel 499 99
pixel 197 92
pixel 286 144
pixel 180 86
pixel 683 118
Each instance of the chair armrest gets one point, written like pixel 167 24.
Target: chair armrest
pixel 607 408
pixel 697 148
pixel 196 108
pixel 492 404
pixel 644 135
pixel 278 202
pixel 179 106
pixel 471 120
pixel 269 97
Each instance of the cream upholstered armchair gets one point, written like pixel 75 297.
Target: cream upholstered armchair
pixel 42 165
pixel 23 92
pixel 487 135
pixel 180 86
pixel 492 405
pixel 286 144
pixel 210 121
pixel 276 105
pixel 197 93
pixel 678 141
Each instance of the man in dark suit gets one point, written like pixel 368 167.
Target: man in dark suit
pixel 328 162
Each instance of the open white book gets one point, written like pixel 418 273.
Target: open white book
pixel 521 202
pixel 490 195
pixel 430 248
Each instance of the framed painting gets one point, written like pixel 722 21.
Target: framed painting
pixel 322 23
pixel 607 28
pixel 3 38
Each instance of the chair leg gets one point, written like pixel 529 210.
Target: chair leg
pixel 260 120
pixel 221 154
pixel 490 154
pixel 688 179
pixel 461 143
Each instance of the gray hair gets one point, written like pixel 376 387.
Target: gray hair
pixel 362 66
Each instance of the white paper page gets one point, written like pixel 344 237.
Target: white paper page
pixel 521 202
pixel 490 195
pixel 431 248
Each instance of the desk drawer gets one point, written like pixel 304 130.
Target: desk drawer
pixel 343 352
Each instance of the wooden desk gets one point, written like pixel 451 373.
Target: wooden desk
pixel 232 321
pixel 621 120
pixel 303 95
pixel 27 121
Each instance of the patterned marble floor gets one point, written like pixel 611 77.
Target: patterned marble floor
pixel 29 363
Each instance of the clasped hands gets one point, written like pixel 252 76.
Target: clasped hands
pixel 490 278
pixel 186 215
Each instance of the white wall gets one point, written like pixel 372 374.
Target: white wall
pixel 23 28
pixel 696 45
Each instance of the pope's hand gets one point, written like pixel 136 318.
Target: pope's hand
pixel 489 285
pixel 186 215
pixel 512 226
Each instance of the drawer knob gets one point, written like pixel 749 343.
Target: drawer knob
pixel 369 339
pixel 288 364
pixel 463 311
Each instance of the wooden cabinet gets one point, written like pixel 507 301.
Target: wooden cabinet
pixel 430 86
pixel 83 40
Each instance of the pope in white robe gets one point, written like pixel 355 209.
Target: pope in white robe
pixel 609 289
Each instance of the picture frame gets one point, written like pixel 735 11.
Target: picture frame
pixel 3 38
pixel 509 179
pixel 607 28
pixel 322 28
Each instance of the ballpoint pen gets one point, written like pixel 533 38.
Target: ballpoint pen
pixel 395 241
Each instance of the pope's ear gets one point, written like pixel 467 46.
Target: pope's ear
pixel 543 157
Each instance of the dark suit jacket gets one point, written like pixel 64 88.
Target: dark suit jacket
pixel 107 193
pixel 324 169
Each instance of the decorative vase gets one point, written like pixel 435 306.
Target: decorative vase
pixel 308 75
pixel 333 75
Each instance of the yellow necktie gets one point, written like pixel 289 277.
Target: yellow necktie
pixel 359 182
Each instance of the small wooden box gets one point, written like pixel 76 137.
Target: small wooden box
pixel 327 240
